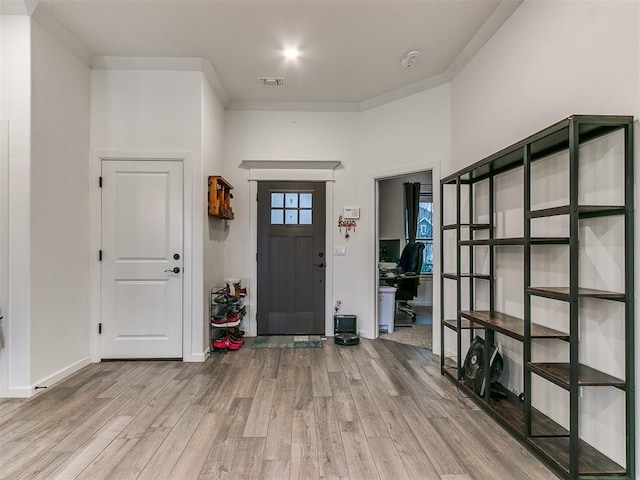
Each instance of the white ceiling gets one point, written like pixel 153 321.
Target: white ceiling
pixel 350 49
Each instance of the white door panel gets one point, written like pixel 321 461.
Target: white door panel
pixel 141 233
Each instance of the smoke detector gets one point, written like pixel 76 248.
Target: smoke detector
pixel 411 59
pixel 271 81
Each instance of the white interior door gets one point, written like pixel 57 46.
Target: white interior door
pixel 142 230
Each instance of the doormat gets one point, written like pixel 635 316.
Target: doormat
pixel 288 341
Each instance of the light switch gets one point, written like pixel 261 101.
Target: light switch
pixel 339 250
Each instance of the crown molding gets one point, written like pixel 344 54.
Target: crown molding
pixel 295 106
pixel 30 7
pixel 17 7
pixel 406 91
pixel 165 63
pixel 59 32
pixel 495 21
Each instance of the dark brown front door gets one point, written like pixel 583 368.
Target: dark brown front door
pixel 291 258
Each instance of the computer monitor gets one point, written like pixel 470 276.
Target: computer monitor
pixel 389 250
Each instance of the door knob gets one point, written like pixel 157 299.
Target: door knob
pixel 174 270
pixel 321 265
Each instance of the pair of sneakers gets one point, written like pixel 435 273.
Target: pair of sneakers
pixel 222 319
pixel 226 300
pixel 230 342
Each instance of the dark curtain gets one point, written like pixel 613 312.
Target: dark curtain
pixel 412 206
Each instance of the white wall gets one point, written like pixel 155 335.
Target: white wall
pixel 215 229
pixel 391 221
pixel 161 113
pixel 59 209
pixel 406 136
pixel 300 136
pixel 15 107
pixel 551 60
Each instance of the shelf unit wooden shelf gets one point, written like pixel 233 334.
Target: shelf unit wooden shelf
pixel 564 293
pixel 516 241
pixel 560 374
pixel 510 326
pixel 220 198
pixel 455 276
pixel 562 447
pixel 584 211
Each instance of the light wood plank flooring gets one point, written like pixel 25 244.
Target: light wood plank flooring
pixel 379 410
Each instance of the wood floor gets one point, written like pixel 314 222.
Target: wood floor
pixel 379 410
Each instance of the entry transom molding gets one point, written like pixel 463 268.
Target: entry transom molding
pixel 291 169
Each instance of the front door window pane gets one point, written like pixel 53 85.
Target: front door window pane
pixel 277 200
pixel 291 200
pixel 305 217
pixel 305 200
pixel 291 217
pixel 277 217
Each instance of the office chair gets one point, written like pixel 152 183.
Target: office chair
pixel 410 266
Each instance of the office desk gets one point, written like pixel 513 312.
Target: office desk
pixel 397 278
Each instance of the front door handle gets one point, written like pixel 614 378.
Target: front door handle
pixel 174 270
pixel 321 265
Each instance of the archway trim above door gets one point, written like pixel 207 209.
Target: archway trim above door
pixel 300 170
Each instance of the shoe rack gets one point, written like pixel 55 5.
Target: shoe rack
pixel 226 312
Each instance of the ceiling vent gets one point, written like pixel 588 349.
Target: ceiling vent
pixel 271 81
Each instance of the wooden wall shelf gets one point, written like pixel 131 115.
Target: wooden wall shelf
pixel 220 198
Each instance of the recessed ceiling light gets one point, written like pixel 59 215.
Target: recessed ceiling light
pixel 291 53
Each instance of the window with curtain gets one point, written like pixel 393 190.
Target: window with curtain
pixel 424 230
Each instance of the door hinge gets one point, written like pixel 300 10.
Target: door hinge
pixel 100 255
pixel 256 197
pixel 100 182
pixel 256 256
pixel 100 329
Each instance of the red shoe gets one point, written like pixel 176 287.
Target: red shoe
pixel 225 344
pixel 234 339
pixel 219 319
pixel 232 345
pixel 219 343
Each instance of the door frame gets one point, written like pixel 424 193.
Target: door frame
pixel 299 171
pixel 435 176
pixel 317 234
pixel 192 308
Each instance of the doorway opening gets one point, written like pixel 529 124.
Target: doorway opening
pixel 405 280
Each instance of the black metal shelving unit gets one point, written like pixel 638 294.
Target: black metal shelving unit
pixel 563 449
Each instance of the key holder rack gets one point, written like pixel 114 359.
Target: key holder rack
pixel 347 224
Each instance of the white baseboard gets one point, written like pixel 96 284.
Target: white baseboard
pixel 29 391
pixel 20 392
pixel 365 334
pixel 196 357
